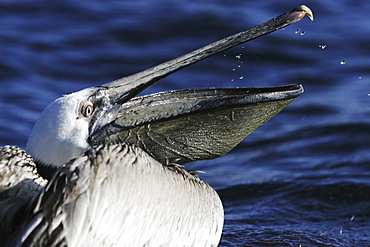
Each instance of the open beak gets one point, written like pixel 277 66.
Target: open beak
pixel 123 89
pixel 186 125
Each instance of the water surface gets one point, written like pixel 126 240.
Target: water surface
pixel 302 179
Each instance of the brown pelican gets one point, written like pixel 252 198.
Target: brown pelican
pixel 111 163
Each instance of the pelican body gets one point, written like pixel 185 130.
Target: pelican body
pixel 105 168
pixel 77 199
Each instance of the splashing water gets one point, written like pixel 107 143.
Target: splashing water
pixel 239 56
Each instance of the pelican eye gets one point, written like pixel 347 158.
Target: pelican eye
pixel 87 109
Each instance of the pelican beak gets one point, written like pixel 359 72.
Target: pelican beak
pixel 186 125
pixel 123 89
pixel 301 11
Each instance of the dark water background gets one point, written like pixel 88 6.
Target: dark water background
pixel 302 179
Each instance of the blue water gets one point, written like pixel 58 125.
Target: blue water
pixel 302 179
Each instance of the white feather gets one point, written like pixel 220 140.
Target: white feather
pixel 60 134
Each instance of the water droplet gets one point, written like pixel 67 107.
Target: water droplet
pixel 239 66
pixel 368 94
pixel 232 79
pixel 233 69
pixel 322 47
pixel 225 55
pixel 352 218
pixel 302 33
pixel 342 62
pixel 241 77
pixel 359 77
pixel 297 31
pixel 239 56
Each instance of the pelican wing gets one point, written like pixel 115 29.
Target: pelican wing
pixel 118 195
pixel 20 185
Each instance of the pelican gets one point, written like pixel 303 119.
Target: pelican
pixel 104 167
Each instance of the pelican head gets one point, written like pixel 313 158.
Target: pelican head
pixel 61 133
pixel 176 126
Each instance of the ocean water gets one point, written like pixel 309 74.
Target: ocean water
pixel 302 179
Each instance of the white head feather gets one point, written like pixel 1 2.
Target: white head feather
pixel 60 134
